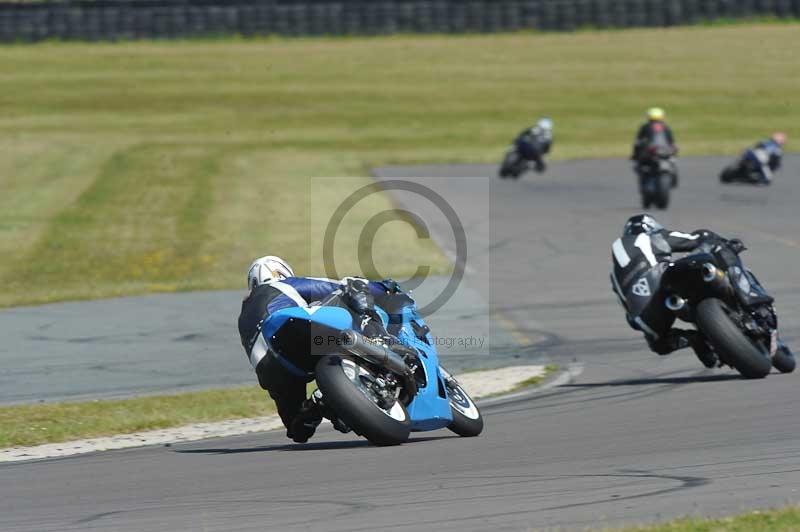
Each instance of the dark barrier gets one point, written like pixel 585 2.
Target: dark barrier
pixel 168 19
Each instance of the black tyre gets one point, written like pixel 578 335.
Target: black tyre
pixel 662 191
pixel 783 361
pixel 507 167
pixel 727 175
pixel 730 343
pixel 467 418
pixel 512 166
pixel 345 388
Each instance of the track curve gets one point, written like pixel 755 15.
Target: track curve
pixel 634 438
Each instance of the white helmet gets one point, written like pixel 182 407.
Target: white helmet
pixel 545 123
pixel 268 269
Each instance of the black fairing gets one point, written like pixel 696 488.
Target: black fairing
pixel 295 341
pixel 685 278
pixel 738 286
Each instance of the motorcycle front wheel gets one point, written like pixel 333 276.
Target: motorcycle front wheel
pixel 350 390
pixel 467 418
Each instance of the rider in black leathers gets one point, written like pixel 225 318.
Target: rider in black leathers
pixel 654 132
pixel 644 246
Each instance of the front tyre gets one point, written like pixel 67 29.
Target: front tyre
pixel 467 418
pixel 783 360
pixel 348 389
pixel 727 175
pixel 512 165
pixel 730 343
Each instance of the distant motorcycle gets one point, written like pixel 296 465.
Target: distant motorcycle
pixel 753 167
pixel 381 392
pixel 514 164
pixel 712 289
pixel 657 174
pixel 528 151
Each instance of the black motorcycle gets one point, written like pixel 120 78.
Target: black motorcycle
pixel 712 289
pixel 515 164
pixel 658 174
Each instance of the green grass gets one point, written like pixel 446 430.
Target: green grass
pixel 549 369
pixel 780 520
pixel 57 422
pixel 138 167
pixel 35 424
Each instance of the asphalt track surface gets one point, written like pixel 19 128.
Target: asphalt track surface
pixel 634 438
pixel 165 343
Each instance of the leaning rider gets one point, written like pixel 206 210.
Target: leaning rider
pixel 273 286
pixel 770 153
pixel 645 247
pixel 534 142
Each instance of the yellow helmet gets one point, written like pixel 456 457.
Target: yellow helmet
pixel 655 113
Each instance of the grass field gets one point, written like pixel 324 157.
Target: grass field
pixel 782 520
pixel 47 423
pixel 138 167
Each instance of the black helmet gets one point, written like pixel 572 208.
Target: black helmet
pixel 641 223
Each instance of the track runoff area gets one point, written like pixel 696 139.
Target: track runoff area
pixel 633 438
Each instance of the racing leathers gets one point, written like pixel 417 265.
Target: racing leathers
pixel 639 261
pixel 533 143
pixel 653 134
pixel 767 156
pixel 285 378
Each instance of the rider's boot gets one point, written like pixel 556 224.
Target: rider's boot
pixel 306 421
pixel 703 350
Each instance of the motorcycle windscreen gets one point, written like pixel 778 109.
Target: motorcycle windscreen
pixel 302 335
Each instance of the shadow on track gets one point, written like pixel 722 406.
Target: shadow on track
pixel 316 446
pixel 656 380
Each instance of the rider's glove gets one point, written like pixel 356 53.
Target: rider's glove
pixel 358 297
pixel 736 245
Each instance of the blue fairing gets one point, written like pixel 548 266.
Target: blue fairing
pixel 430 409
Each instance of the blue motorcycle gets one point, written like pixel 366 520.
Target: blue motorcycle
pixel 382 390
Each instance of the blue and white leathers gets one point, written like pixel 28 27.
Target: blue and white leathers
pixel 430 408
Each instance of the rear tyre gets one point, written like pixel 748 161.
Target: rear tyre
pixel 730 343
pixel 345 389
pixel 662 191
pixel 783 360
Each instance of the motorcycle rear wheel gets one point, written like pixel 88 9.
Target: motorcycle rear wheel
pixel 345 388
pixel 663 187
pixel 730 343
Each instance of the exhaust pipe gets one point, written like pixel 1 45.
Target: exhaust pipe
pixel 709 272
pixel 358 345
pixel 675 303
